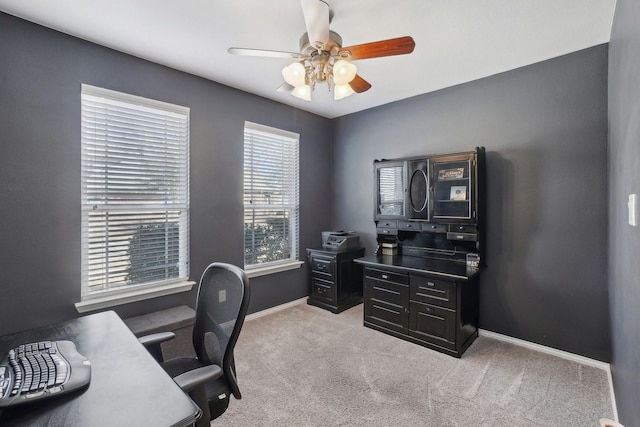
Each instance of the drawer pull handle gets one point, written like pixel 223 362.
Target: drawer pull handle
pixel 430 284
pixel 384 276
pixel 434 227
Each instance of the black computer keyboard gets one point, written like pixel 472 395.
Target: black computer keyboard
pixel 40 370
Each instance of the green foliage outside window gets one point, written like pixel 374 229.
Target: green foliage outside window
pixel 266 242
pixel 150 239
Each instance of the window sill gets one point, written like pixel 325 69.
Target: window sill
pixel 132 296
pixel 270 269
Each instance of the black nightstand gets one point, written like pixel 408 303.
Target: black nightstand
pixel 335 280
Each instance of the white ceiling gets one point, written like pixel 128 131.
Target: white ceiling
pixel 456 40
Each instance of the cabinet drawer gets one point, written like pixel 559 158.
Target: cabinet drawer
pixel 463 232
pixel 390 316
pixel 463 228
pixel 385 304
pixel 435 228
pixel 387 231
pixel 322 264
pixel 467 237
pixel 387 224
pixel 387 276
pixel 322 289
pixel 408 225
pixel 386 291
pixel 433 291
pixel 433 324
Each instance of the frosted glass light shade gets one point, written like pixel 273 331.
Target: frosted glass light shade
pixel 294 74
pixel 343 72
pixel 342 91
pixel 302 92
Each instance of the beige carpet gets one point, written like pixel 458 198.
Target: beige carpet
pixel 305 366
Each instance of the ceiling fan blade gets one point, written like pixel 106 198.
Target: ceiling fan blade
pixel 359 85
pixel 316 18
pixel 260 52
pixel 390 47
pixel 285 87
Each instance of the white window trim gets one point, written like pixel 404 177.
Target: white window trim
pixel 133 295
pixel 150 290
pixel 264 269
pixel 256 270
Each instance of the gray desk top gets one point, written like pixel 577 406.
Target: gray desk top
pixel 128 387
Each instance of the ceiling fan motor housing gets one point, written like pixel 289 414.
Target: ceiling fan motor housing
pixel 332 46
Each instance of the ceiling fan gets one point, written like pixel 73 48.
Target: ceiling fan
pixel 322 59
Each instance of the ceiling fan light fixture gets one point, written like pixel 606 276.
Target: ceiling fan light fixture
pixel 294 74
pixel 343 72
pixel 303 92
pixel 342 91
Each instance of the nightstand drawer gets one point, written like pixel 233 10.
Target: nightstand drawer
pixel 322 289
pixel 322 264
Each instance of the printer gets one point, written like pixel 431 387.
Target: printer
pixel 340 240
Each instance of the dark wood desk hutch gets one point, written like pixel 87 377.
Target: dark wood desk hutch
pixel 422 283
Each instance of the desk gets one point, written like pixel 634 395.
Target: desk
pixel 128 387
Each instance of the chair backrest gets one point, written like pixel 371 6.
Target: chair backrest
pixel 221 305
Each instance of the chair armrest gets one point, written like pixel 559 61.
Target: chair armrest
pixel 158 338
pixel 190 380
pixel 152 343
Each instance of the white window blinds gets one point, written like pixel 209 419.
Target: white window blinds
pixel 271 195
pixel 135 192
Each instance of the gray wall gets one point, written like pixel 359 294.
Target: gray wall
pixel 545 131
pixel 544 127
pixel 624 179
pixel 40 76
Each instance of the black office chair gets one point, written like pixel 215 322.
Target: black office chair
pixel 210 378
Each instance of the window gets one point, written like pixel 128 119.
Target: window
pixel 270 198
pixel 135 195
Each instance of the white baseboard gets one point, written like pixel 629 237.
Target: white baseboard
pixel 275 309
pixel 558 353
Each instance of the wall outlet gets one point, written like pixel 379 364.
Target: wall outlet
pixel 633 209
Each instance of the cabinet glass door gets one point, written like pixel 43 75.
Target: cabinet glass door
pixel 418 190
pixel 452 189
pixel 390 189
